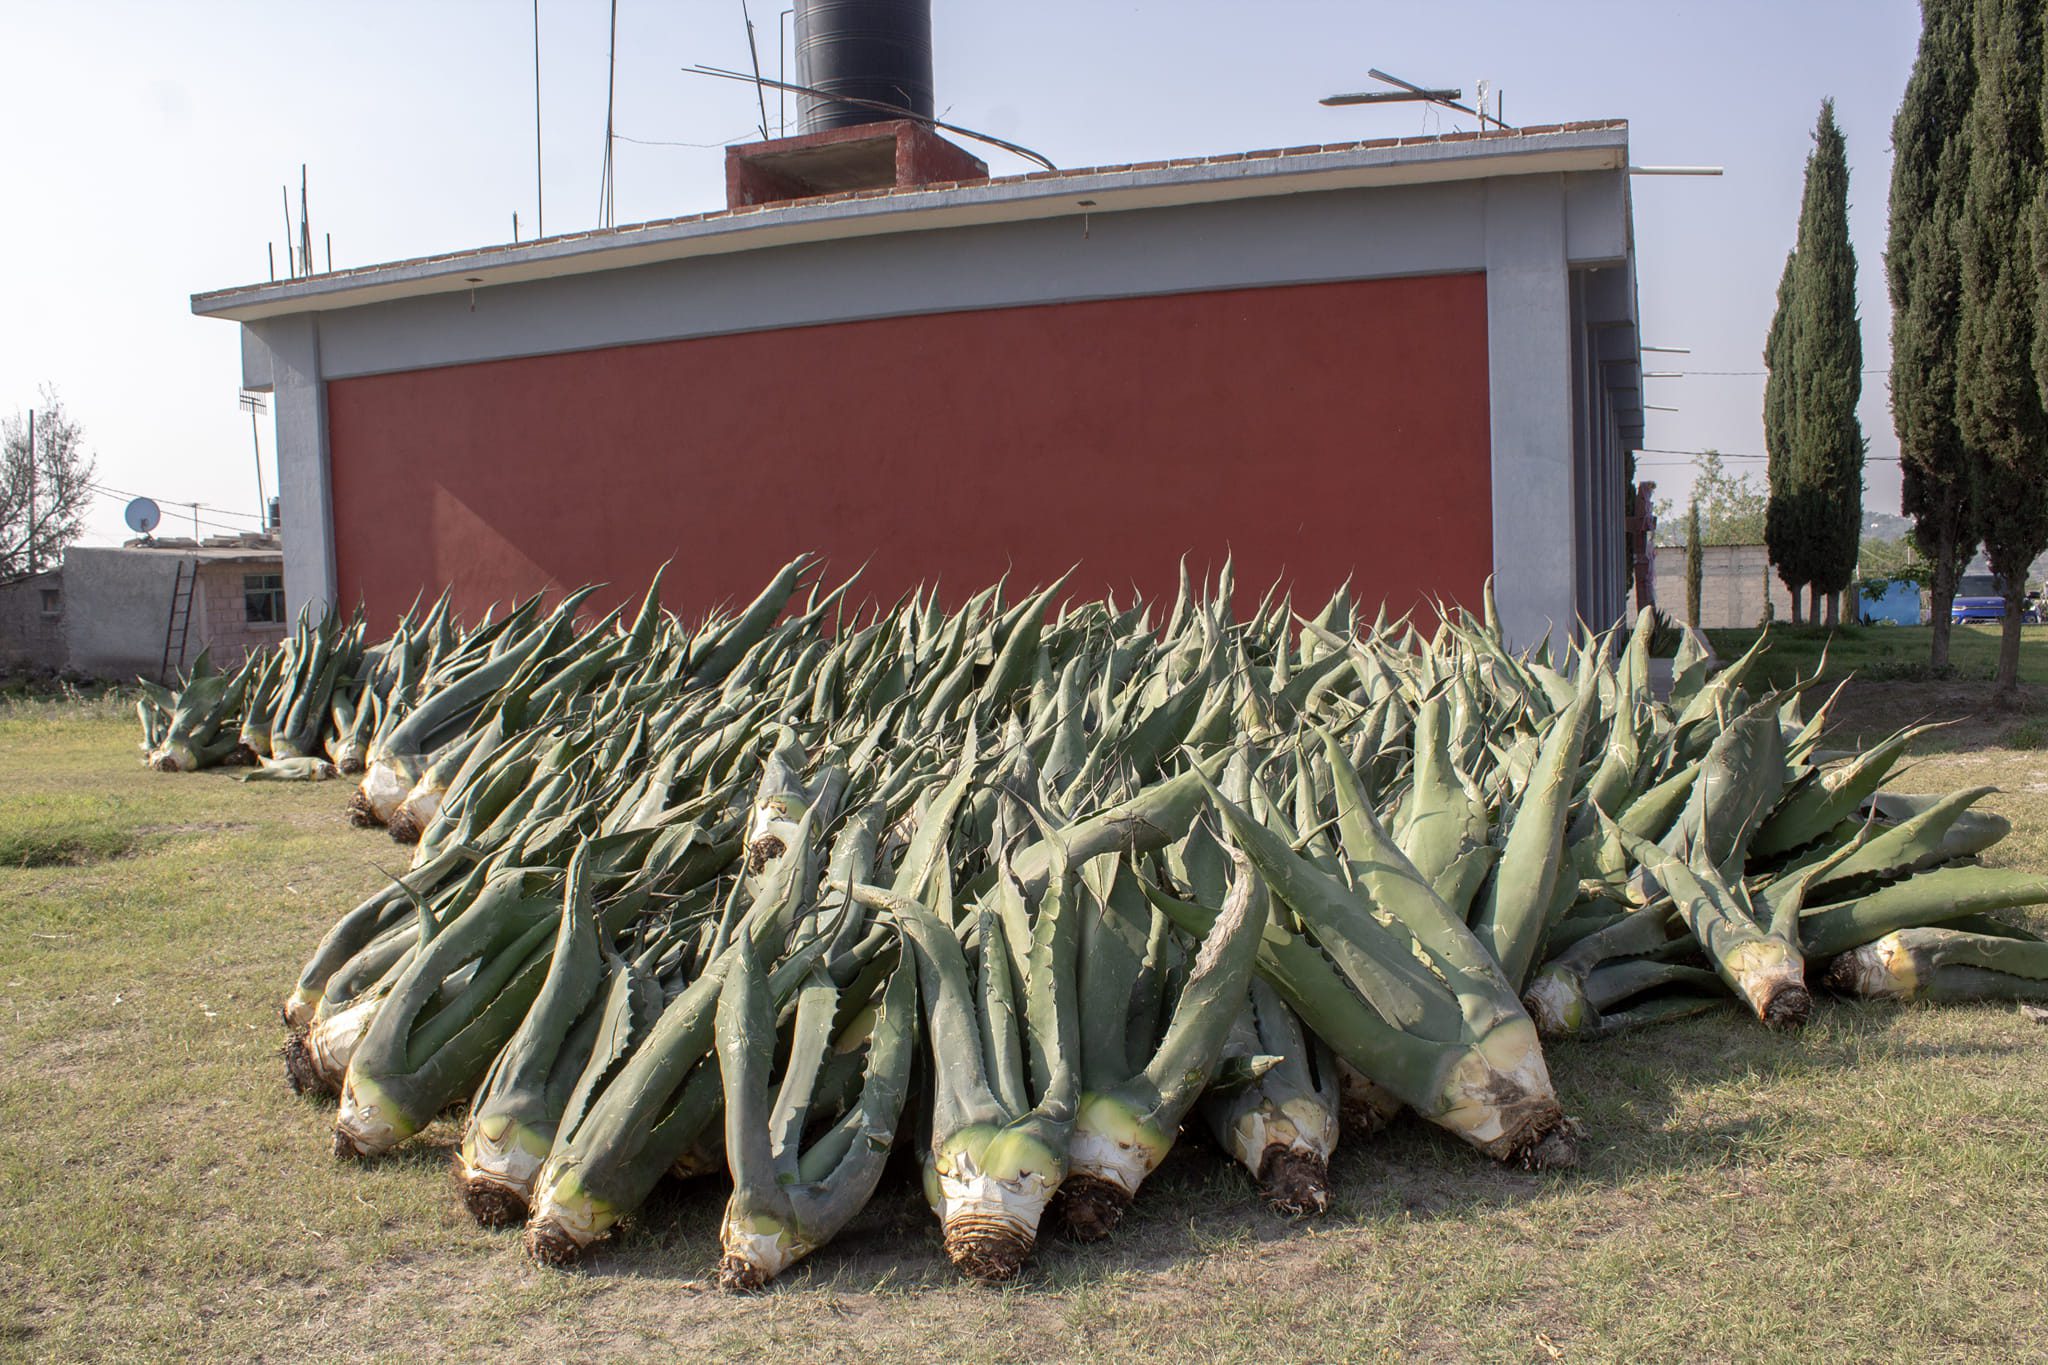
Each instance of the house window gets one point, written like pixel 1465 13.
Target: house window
pixel 263 597
pixel 53 601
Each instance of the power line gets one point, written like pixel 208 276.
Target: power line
pixel 124 493
pixel 1737 455
pixel 114 495
pixel 659 142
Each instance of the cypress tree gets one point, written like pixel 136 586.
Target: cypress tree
pixel 1827 362
pixel 1998 380
pixel 1929 169
pixel 1695 564
pixel 1781 536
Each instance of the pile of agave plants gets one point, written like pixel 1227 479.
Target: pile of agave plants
pixel 1029 885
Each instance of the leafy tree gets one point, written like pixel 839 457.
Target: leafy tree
pixel 1930 168
pixel 1998 345
pixel 1695 563
pixel 44 491
pixel 1731 506
pixel 1894 559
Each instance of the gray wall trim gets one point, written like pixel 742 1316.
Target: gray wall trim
pixel 1529 345
pixel 305 493
pixel 1308 239
pixel 1110 189
pixel 256 366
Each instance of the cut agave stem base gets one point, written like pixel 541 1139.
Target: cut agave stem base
pixel 1287 1149
pixel 1500 1100
pixel 1088 1208
pixel 755 1250
pixel 492 1203
pixel 988 1249
pixel 566 1219
pixel 1776 990
pixel 549 1243
pixel 405 827
pixel 1294 1181
pixel 1879 971
pixel 359 811
pixel 300 1073
pixel 496 1173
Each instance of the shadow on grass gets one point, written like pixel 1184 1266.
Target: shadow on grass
pixel 1630 1092
pixel 1867 712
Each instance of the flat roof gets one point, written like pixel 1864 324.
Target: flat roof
pixel 206 554
pixel 1593 146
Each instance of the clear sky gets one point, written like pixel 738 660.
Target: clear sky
pixel 145 144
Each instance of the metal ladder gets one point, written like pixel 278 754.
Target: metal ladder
pixel 178 626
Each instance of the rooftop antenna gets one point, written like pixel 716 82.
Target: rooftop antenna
pixel 782 75
pixel 252 403
pixel 290 249
pixel 1404 91
pixel 753 52
pixel 607 193
pixel 893 110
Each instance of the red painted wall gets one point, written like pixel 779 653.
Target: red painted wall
pixel 1315 431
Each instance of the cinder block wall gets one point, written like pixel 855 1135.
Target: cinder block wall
pixel 1733 581
pixel 221 621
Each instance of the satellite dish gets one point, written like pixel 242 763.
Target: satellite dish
pixel 143 516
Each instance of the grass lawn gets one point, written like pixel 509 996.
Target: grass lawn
pixel 1873 1189
pixel 1886 653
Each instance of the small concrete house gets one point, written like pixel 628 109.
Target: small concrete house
pixel 147 608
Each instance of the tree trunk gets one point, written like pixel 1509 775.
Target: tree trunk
pixel 1833 602
pixel 1794 590
pixel 1941 594
pixel 2007 691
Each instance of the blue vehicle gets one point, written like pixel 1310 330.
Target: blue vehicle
pixel 1979 598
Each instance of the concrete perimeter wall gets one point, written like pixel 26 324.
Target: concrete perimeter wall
pixel 1733 580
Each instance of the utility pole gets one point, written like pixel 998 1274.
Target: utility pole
pixel 540 195
pixel 31 490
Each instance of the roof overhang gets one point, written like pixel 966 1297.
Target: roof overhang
pixel 1112 189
